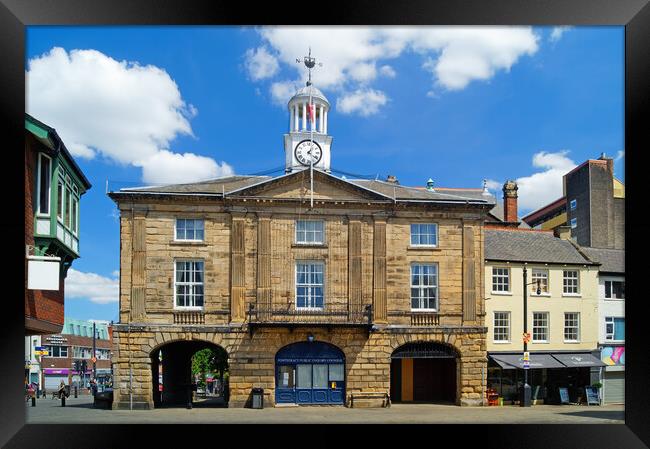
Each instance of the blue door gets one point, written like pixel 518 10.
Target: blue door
pixel 310 373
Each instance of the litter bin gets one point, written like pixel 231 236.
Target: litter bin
pixel 258 398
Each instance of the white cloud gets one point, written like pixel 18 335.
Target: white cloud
pixel 455 56
pixel 121 110
pixel 541 188
pixel 491 184
pixel 619 155
pixel 363 102
pixel 167 167
pixel 92 286
pixel 557 33
pixel 387 71
pixel 281 92
pixel 261 64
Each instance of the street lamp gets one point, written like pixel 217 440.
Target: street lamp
pixel 525 393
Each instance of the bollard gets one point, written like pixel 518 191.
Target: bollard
pixel 33 401
pixel 189 398
pixel 75 392
pixel 62 400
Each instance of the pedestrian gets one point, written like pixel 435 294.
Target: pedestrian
pixel 61 389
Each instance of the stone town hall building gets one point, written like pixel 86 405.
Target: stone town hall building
pixel 374 292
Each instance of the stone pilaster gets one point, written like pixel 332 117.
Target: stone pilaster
pixel 237 268
pixel 379 272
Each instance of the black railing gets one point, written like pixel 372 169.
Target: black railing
pixel 328 314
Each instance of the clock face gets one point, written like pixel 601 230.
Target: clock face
pixel 308 152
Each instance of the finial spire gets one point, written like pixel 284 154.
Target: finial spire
pixel 310 63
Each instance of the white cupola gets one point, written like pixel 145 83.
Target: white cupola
pixel 307 141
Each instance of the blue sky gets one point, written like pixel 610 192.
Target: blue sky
pixel 143 105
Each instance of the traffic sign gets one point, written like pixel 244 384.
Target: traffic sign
pixel 94 359
pixel 526 356
pixel 526 364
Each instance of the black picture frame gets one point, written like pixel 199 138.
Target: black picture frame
pixel 15 15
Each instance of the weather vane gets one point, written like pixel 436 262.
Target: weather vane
pixel 310 63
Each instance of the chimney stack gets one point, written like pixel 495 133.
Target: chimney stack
pixel 392 179
pixel 510 202
pixel 563 232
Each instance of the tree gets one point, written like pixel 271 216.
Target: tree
pixel 209 360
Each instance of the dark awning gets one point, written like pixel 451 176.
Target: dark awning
pixel 573 360
pixel 513 361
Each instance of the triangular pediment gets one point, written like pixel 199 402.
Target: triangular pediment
pixel 296 186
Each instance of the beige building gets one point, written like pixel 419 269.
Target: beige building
pixel 320 290
pixel 562 313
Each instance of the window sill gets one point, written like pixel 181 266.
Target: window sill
pixel 540 342
pixel 571 342
pixel 188 309
pixel 423 248
pixel 424 310
pixel 309 245
pixel 188 243
pixel 543 295
pixel 502 293
pixel 501 342
pixel 614 299
pixel 571 295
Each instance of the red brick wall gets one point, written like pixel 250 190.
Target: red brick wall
pixel 45 305
pixel 510 209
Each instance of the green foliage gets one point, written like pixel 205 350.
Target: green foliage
pixel 597 385
pixel 209 360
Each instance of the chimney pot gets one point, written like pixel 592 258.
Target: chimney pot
pixel 392 179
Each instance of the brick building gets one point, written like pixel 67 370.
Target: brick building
pixel 593 206
pixel 54 185
pixel 74 342
pixel 346 292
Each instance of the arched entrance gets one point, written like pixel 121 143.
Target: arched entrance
pixel 182 367
pixel 424 372
pixel 310 373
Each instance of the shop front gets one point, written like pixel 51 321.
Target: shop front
pixel 310 373
pixel 613 374
pixel 548 373
pixel 53 378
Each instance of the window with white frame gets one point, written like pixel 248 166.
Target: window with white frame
pixel 574 223
pixel 615 289
pixel 424 287
pixel 573 204
pixel 309 285
pixel 80 352
pixel 614 328
pixel 68 204
pixel 570 282
pixel 571 326
pixel 60 190
pixel 424 234
pixel 500 279
pixel 57 351
pixel 44 178
pixel 542 277
pixel 540 326
pixel 310 232
pixel 75 214
pixel 188 285
pixel 189 229
pixel 103 354
pixel 501 326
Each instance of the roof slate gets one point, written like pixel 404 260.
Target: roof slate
pixel 530 246
pixel 612 260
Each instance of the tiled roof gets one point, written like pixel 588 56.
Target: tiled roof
pixel 612 260
pixel 217 185
pixel 401 192
pixel 530 246
pixel 497 212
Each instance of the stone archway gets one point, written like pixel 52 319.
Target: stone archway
pixel 171 363
pixel 425 371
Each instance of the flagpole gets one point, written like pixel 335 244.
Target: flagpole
pixel 311 144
